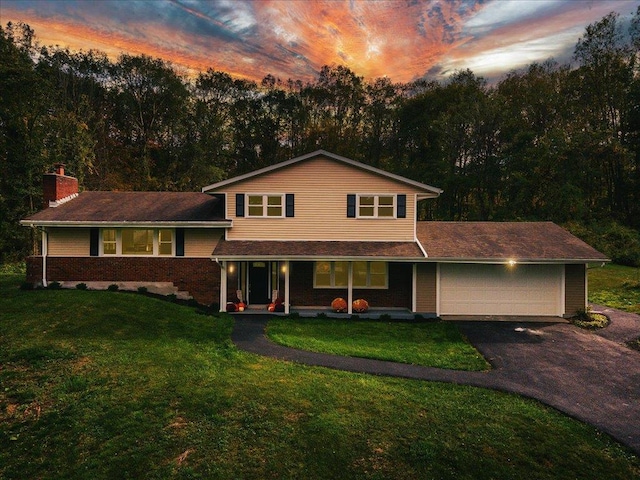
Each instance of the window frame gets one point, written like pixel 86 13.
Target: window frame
pixel 156 243
pixel 265 205
pixel 368 285
pixel 376 205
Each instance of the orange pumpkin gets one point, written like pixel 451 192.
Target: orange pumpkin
pixel 360 305
pixel 339 305
pixel 272 307
pixel 242 306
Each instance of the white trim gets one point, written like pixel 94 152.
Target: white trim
pixel 376 206
pixel 155 249
pixel 563 292
pixel 223 286
pixel 350 268
pixel 350 288
pixel 432 191
pixel 286 286
pixel 414 287
pixel 45 251
pixel 438 310
pixel 265 205
pixel 586 285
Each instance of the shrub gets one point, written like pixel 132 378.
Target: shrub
pixel 621 244
pixel 172 297
pixel 81 286
pixel 54 286
pixel 113 287
pixel 143 289
pixel 26 286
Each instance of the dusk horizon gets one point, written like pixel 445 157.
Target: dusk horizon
pixel 401 40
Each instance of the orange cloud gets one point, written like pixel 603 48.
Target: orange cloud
pixel 402 40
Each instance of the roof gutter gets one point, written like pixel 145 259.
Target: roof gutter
pixel 107 224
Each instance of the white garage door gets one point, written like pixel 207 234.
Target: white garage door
pixel 476 289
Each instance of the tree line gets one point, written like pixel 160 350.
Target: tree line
pixel 552 141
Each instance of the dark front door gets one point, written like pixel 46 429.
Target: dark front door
pixel 259 283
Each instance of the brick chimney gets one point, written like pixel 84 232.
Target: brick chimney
pixel 57 188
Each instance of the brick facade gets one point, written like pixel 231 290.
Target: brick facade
pixel 198 276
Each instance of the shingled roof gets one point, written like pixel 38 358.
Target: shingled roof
pixel 132 207
pixel 519 241
pixel 228 249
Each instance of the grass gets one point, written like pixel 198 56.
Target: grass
pixel 615 286
pixel 112 385
pixel 433 344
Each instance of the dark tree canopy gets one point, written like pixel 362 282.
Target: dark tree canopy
pixel 548 142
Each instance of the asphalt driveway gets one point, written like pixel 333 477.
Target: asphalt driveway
pixel 591 376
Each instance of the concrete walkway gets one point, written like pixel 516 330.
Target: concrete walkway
pixel 591 376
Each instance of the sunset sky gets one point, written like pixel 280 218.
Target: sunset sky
pixel 400 39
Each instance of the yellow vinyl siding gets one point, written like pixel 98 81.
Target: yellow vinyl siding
pixel 68 242
pixel 426 288
pixel 574 288
pixel 200 242
pixel 320 186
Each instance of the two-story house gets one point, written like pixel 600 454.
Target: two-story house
pixel 308 230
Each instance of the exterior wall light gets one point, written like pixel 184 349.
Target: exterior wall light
pixel 512 263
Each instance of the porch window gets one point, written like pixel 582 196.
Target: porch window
pixel 264 205
pixel 133 241
pixel 165 241
pixel 376 206
pixel 336 274
pixel 137 242
pixel 109 241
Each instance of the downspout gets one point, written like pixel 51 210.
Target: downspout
pixel 45 249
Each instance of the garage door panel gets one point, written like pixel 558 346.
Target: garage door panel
pixel 477 289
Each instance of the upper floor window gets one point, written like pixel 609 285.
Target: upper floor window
pixel 137 241
pixel 264 205
pixel 376 206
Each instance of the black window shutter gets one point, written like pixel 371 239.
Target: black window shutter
pixel 351 206
pixel 239 204
pixel 289 205
pixel 94 242
pixel 179 242
pixel 402 206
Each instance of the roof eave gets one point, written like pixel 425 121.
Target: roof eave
pixel 302 258
pixel 518 261
pixel 133 224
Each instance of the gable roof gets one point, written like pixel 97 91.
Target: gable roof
pixel 501 241
pixel 134 208
pixel 428 189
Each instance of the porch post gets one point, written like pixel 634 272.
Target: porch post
pixel 45 252
pixel 286 286
pixel 414 288
pixel 223 286
pixel 350 289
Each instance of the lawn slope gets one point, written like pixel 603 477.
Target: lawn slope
pixel 113 385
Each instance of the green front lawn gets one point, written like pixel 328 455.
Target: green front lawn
pixel 433 344
pixel 615 286
pixel 108 385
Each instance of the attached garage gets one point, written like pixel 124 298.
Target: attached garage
pixel 500 289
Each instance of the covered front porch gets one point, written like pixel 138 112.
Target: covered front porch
pixel 308 287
